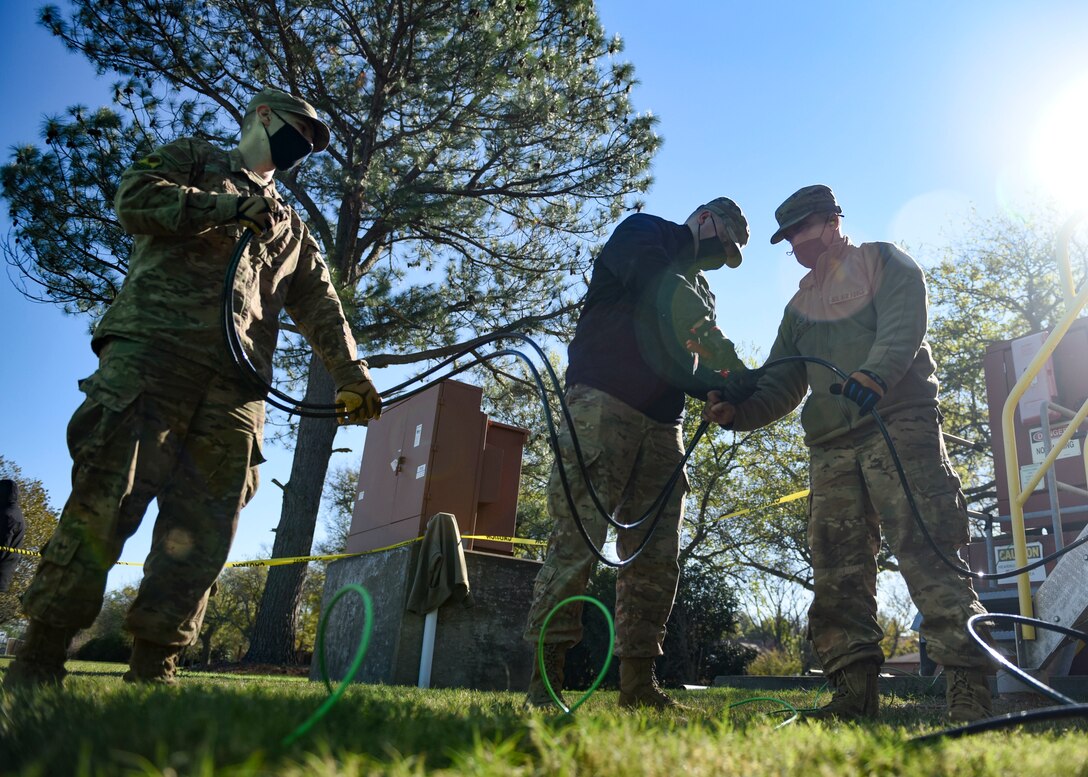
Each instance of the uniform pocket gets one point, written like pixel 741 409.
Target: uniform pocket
pixel 584 406
pixel 936 490
pixel 116 395
pixel 95 426
pixel 60 549
pixel 932 478
pixel 256 458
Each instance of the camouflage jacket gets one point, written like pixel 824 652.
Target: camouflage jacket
pixel 180 203
pixel 860 308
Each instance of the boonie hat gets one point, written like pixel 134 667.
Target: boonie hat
pixel 802 204
pixel 735 225
pixel 282 101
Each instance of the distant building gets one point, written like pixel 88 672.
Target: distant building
pixel 907 663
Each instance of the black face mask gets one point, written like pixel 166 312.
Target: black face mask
pixel 288 145
pixel 710 253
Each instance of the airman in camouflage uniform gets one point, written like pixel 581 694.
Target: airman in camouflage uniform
pixel 864 308
pixel 647 311
pixel 168 415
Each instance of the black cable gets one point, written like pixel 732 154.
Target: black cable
pixel 241 358
pixel 654 507
pixel 1067 708
pixel 1005 721
pixel 656 510
pixel 288 404
pixel 1026 678
pixel 958 568
pixel 561 469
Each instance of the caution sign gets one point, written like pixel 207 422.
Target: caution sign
pixel 1005 560
pixel 1038 448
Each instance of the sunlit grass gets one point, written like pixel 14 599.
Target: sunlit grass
pixel 234 724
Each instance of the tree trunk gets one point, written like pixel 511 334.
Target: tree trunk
pixel 277 617
pixel 206 645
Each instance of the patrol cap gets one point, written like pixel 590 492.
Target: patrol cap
pixel 802 204
pixel 735 224
pixel 282 101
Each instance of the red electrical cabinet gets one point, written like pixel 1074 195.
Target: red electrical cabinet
pixel 437 452
pixel 1064 382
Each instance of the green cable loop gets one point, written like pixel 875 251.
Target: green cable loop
pixel 607 661
pixel 368 624
pixel 786 705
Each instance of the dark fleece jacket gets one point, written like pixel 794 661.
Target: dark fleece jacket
pixel 12 528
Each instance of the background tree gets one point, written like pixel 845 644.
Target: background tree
pixel 40 519
pixel 998 282
pixel 341 491
pixel 106 639
pixel 231 614
pixel 701 643
pixel 513 397
pixel 747 473
pixel 896 616
pixel 479 147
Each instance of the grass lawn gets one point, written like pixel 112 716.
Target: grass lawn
pixel 234 724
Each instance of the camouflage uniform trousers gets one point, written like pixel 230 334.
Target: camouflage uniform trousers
pixel 152 427
pixel 629 458
pixel 856 492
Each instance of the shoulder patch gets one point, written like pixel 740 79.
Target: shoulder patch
pixel 150 162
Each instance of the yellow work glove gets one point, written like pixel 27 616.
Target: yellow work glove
pixel 360 403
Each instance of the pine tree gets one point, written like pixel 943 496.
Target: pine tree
pixel 480 148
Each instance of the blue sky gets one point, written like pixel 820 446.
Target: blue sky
pixel 913 112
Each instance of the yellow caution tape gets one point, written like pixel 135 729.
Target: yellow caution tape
pixel 36 554
pixel 20 551
pixel 514 540
pixel 276 562
pixel 279 562
pixel 781 500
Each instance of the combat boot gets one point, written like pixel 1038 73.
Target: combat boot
pixel 152 663
pixel 856 696
pixel 967 692
pixel 555 659
pixel 41 657
pixel 639 688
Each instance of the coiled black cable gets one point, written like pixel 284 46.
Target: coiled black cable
pixel 542 390
pixel 288 404
pixel 958 568
pixel 1067 707
pixel 271 394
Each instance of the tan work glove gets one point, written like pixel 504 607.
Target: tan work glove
pixel 360 402
pixel 259 214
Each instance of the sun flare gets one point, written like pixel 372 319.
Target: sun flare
pixel 1059 152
